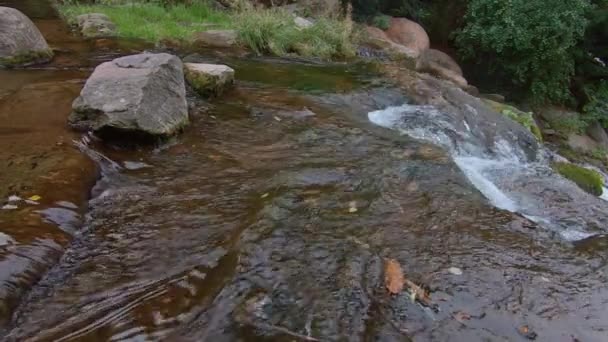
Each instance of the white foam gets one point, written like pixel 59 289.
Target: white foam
pixel 498 174
pixel 474 168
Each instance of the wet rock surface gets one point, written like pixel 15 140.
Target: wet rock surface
pixel 284 236
pixel 138 95
pixel 263 222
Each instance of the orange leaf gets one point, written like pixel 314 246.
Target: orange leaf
pixel 462 316
pixel 393 276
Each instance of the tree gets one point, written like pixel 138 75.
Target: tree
pixel 532 42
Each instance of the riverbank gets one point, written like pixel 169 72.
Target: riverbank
pixel 274 31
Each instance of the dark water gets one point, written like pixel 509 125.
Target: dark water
pixel 264 222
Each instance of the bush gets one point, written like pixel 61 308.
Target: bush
pixel 530 41
pixel 588 180
pixel 274 31
pixel 382 22
pixel 597 102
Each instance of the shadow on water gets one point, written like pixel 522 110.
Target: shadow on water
pixel 270 218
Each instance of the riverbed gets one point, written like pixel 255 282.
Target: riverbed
pixel 270 218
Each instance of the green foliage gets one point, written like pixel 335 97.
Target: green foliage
pixel 597 105
pixel 274 31
pixel 154 22
pixel 382 22
pixel 530 41
pixel 588 180
pixel 568 125
pixel 365 9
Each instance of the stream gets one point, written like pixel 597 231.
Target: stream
pixel 271 217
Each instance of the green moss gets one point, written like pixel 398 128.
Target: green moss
pixel 382 22
pixel 588 180
pixel 525 119
pixel 27 58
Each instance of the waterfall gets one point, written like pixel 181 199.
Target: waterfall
pixel 496 164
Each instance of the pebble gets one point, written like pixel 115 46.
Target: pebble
pixel 455 270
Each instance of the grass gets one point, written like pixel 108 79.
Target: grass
pixel 274 31
pixel 154 22
pixel 264 31
pixel 588 180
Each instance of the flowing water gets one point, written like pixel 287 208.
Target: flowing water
pixel 271 218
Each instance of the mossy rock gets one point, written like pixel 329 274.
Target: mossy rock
pixel 588 180
pixel 209 79
pixel 525 119
pixel 26 58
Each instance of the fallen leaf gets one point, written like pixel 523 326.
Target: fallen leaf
pixel 527 333
pixel 393 276
pixel 34 198
pixel 462 316
pixel 31 202
pixel 277 118
pixel 265 195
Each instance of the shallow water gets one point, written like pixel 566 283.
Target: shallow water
pixel 270 219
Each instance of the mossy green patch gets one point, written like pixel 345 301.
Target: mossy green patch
pixel 588 180
pixel 27 58
pixel 525 119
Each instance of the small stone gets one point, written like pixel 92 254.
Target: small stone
pixel 216 38
pixel 131 165
pixel 96 25
pixel 6 240
pixel 209 79
pixel 14 198
pixel 9 207
pixel 455 271
pixel 302 23
pixel 352 207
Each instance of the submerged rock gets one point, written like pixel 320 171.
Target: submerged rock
pixel 21 43
pixel 95 25
pixel 209 79
pixel 142 95
pixel 216 38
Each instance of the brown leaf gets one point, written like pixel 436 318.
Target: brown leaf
pixel 393 276
pixel 462 316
